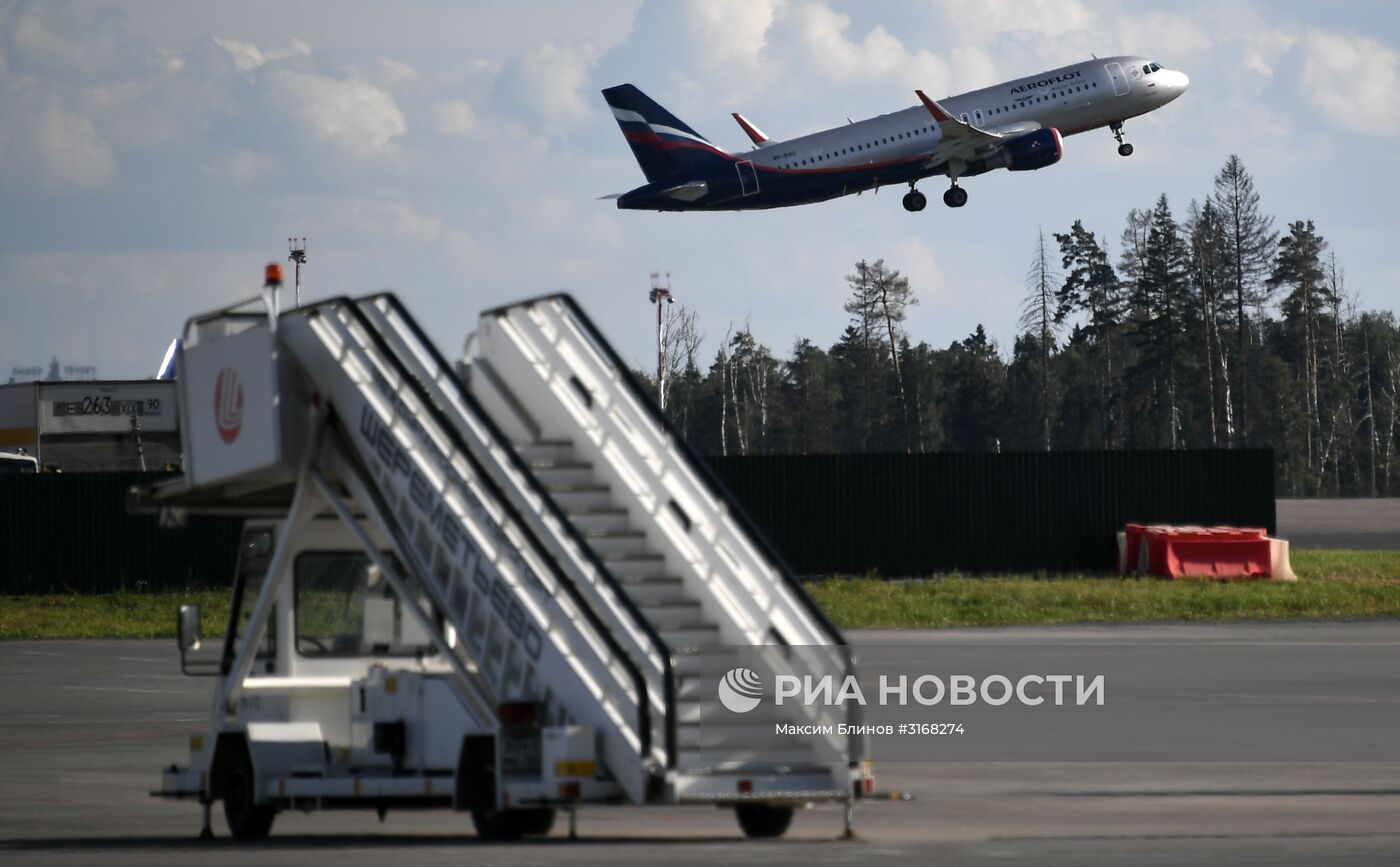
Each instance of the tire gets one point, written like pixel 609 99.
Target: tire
pixel 507 825
pixel 760 821
pixel 1125 150
pixel 247 819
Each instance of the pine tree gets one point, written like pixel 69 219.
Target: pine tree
pixel 1091 288
pixel 977 378
pixel 812 396
pixel 1298 270
pixel 1249 239
pixel 1157 262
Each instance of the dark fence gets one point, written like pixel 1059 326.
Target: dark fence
pixel 1026 511
pixel 896 514
pixel 70 532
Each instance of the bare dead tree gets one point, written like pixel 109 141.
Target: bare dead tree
pixel 1038 316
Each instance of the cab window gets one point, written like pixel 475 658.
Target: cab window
pixel 345 607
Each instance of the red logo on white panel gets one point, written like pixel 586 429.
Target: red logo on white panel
pixel 228 404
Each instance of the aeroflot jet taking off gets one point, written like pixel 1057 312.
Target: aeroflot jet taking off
pixel 1017 126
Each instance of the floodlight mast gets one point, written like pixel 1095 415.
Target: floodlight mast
pixel 660 293
pixel 296 248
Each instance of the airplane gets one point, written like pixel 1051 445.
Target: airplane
pixel 1017 125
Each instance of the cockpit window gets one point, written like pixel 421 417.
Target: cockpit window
pixel 1151 68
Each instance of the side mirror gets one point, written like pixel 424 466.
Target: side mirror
pixel 190 630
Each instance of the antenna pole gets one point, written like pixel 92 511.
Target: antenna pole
pixel 296 248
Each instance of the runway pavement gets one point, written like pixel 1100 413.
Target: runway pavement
pixel 1361 523
pixel 85 726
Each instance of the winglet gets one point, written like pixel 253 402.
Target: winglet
pixel 934 108
pixel 753 132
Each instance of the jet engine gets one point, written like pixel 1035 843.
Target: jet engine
pixel 1034 150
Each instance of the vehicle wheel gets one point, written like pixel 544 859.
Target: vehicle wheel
pixel 535 823
pixel 955 197
pixel 914 201
pixel 496 825
pixel 247 819
pixel 506 825
pixel 1125 150
pixel 761 820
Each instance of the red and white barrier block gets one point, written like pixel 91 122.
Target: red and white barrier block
pixel 1170 551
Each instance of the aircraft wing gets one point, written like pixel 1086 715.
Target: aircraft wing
pixel 959 140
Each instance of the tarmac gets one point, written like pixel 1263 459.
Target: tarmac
pixel 1360 523
pixel 85 727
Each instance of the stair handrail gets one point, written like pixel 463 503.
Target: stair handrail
pixel 454 436
pixel 664 651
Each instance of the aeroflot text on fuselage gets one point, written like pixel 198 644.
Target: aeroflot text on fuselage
pixel 930 689
pixel 1046 82
pixel 1017 125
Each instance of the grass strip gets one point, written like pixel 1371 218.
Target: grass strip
pixel 1331 584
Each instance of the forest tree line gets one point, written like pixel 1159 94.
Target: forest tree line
pixel 1214 330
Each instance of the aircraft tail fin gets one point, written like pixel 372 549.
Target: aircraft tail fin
pixel 661 142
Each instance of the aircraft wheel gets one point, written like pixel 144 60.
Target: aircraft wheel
pixel 1125 150
pixel 914 201
pixel 955 197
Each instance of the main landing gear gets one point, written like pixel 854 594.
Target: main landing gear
pixel 1124 149
pixel 955 197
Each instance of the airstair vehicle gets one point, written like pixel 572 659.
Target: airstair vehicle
pixel 504 586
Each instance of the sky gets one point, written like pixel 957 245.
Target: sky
pixel 154 155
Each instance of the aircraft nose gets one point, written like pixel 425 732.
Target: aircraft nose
pixel 1177 81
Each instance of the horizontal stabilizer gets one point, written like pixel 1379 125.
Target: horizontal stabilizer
pixel 758 136
pixel 687 192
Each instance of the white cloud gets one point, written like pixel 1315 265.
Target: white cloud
pixel 354 115
pixel 71 154
pixel 455 118
pixel 242 167
pixel 1262 51
pixel 376 222
pixel 732 34
pixel 1170 38
pixel 1343 73
pixel 550 83
pixel 982 21
pixel 248 57
pixel 396 72
pixel 818 34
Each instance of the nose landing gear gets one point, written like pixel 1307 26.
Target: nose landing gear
pixel 1124 149
pixel 914 200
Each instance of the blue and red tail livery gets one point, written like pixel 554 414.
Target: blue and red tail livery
pixel 1017 125
pixel 662 143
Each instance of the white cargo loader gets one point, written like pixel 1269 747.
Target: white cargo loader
pixel 506 587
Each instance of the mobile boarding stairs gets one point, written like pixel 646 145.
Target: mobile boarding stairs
pixel 545 530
